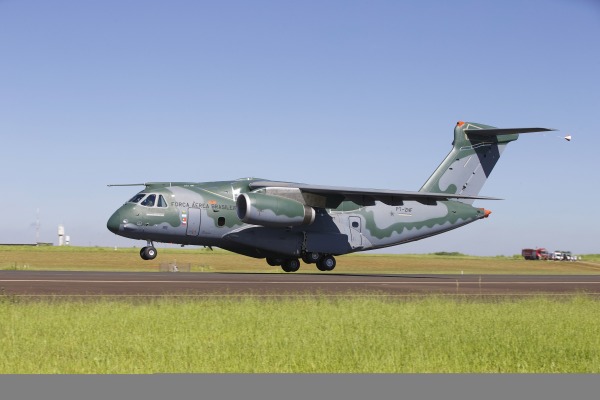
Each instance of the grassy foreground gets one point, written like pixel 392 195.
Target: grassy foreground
pixel 202 260
pixel 300 335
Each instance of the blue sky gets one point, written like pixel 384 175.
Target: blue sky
pixel 349 93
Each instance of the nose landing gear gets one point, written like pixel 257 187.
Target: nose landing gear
pixel 148 252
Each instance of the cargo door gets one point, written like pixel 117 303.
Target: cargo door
pixel 193 222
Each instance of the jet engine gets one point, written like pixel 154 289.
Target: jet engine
pixel 273 211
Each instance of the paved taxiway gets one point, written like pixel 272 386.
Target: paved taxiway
pixel 52 283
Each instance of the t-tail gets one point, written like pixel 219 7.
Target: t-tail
pixel 475 151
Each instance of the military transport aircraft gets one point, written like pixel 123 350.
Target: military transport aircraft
pixel 284 222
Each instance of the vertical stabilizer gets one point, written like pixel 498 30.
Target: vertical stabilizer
pixel 475 151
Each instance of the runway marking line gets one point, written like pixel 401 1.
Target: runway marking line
pixel 449 282
pixel 518 294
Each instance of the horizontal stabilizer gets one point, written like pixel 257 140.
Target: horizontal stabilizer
pixel 504 131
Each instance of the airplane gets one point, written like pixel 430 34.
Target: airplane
pixel 285 222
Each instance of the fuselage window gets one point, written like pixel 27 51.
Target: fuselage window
pixel 137 198
pixel 161 201
pixel 221 221
pixel 149 201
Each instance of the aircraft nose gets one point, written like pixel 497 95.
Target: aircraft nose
pixel 114 222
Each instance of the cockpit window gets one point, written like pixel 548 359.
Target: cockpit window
pixel 161 201
pixel 137 198
pixel 149 201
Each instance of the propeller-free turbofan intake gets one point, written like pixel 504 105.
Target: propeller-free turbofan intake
pixel 273 211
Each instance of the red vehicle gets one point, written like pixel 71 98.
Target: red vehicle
pixel 535 254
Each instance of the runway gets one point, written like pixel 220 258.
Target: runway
pixel 94 284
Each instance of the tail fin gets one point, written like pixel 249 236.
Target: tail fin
pixel 476 150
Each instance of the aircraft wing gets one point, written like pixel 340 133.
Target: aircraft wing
pixel 334 195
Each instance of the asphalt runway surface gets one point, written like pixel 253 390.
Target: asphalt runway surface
pixel 93 284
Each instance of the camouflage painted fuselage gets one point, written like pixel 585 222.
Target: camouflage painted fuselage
pixel 205 214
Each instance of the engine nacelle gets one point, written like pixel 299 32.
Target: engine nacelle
pixel 275 211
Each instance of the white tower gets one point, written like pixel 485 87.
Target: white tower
pixel 37 227
pixel 61 235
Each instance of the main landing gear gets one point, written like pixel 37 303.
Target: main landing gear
pixel 148 252
pixel 325 262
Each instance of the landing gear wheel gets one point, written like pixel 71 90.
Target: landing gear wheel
pixel 148 253
pixel 310 258
pixel 326 263
pixel 274 262
pixel 291 265
pixel 151 253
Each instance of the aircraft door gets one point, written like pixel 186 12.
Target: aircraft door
pixel 355 232
pixel 193 222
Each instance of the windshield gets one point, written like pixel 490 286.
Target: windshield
pixel 137 198
pixel 161 201
pixel 149 201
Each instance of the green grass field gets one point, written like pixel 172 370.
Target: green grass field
pixel 300 335
pixel 366 334
pixel 201 260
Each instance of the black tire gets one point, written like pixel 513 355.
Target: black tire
pixel 143 253
pixel 291 265
pixel 274 262
pixel 149 253
pixel 326 263
pixel 310 258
